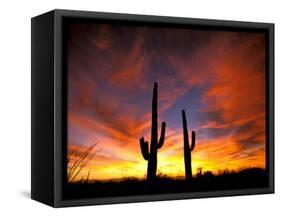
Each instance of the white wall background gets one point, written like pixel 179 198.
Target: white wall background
pixel 15 106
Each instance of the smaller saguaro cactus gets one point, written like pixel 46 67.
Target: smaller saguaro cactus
pixel 188 148
pixel 151 154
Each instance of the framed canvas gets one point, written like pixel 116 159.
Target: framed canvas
pixel 130 108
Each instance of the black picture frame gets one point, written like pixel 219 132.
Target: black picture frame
pixel 49 86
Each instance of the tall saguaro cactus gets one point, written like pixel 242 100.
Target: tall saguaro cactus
pixel 188 148
pixel 151 155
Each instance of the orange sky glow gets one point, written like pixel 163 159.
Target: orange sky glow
pixel 218 77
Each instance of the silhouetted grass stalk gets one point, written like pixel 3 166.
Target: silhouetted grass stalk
pixel 80 161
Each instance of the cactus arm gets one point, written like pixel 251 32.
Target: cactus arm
pixel 192 141
pixel 162 136
pixel 144 148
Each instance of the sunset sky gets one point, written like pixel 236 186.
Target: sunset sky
pixel 216 76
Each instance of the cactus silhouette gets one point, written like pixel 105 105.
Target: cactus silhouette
pixel 151 155
pixel 187 148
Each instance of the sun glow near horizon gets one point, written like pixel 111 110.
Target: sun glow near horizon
pixel 171 162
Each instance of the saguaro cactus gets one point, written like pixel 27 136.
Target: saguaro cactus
pixel 187 148
pixel 151 155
